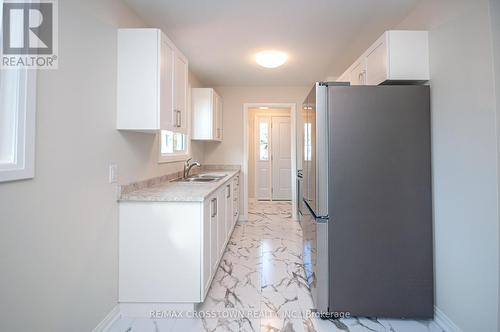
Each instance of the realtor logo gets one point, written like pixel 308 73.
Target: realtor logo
pixel 29 34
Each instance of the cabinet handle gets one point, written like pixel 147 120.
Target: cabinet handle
pixel 214 207
pixel 228 191
pixel 178 119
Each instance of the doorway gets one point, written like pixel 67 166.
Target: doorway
pixel 248 175
pixel 271 165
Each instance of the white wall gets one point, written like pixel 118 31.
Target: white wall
pixel 230 151
pixel 59 231
pixel 465 159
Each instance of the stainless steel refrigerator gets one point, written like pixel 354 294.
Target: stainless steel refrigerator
pixel 366 209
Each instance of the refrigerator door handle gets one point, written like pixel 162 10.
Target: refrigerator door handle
pixel 322 150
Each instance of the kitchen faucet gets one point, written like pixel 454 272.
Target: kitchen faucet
pixel 188 165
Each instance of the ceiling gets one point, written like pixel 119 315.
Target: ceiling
pixel 220 37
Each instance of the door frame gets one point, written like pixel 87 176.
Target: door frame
pixel 244 162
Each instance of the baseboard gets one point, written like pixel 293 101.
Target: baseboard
pixel 110 318
pixel 444 321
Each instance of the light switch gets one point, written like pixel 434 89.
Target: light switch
pixel 113 173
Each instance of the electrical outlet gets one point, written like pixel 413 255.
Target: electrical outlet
pixel 113 173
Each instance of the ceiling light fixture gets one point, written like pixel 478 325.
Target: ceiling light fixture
pixel 271 59
pixel 264 108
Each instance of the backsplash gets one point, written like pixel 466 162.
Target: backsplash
pixel 133 186
pixel 213 167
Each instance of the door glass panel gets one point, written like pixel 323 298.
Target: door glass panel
pixel 307 141
pixel 263 141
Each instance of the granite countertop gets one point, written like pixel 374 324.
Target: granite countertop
pixel 168 191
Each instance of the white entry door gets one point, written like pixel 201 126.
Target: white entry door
pixel 263 157
pixel 281 152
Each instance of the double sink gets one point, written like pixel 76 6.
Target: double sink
pixel 203 178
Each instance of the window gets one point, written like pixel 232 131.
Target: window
pixel 9 85
pixel 173 146
pixel 17 121
pixel 173 142
pixel 263 141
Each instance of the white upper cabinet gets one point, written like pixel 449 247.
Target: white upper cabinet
pixel 357 75
pixel 397 56
pixel 165 89
pixel 152 82
pixel 207 114
pixel 180 117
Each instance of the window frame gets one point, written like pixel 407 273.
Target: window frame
pixel 24 146
pixel 175 156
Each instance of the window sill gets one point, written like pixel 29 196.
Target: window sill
pixel 8 175
pixel 172 158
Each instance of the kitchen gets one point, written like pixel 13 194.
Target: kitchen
pixel 109 226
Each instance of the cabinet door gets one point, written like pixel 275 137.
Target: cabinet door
pixel 206 253
pixel 221 221
pixel 229 209
pixel 180 93
pixel 236 201
pixel 166 84
pixel 376 65
pixel 140 54
pixel 214 117
pixel 357 74
pixel 214 252
pixel 218 117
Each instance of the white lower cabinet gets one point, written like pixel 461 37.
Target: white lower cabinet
pixel 212 226
pixel 221 221
pixel 209 230
pixel 229 206
pixel 170 251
